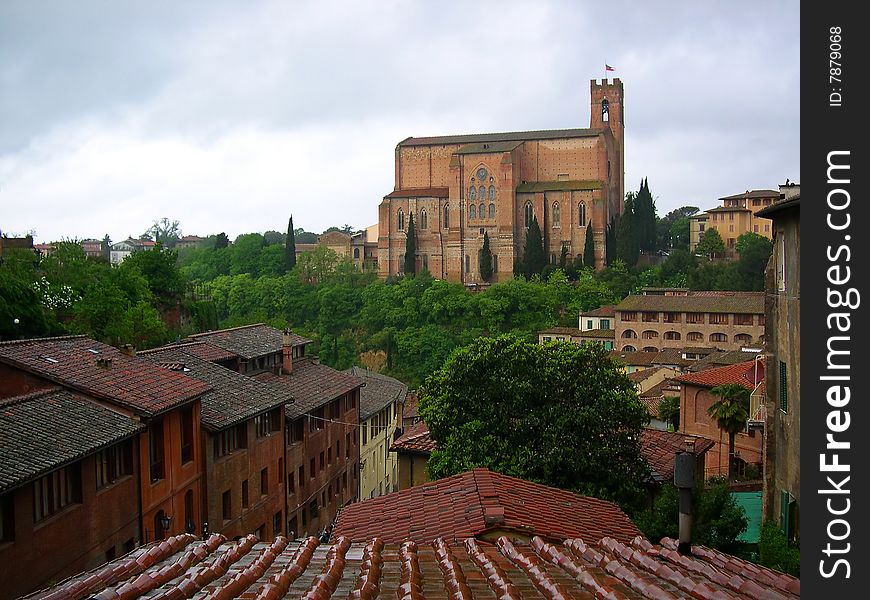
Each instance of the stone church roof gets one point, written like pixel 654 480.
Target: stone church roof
pixel 510 136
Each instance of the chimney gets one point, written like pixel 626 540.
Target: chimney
pixel 287 349
pixel 684 481
pixel 105 363
pixel 128 349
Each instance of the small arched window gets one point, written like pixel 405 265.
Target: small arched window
pixel 492 210
pixel 695 336
pixel 401 220
pixel 482 211
pixel 446 216
pixel 629 334
pixel 581 214
pixel 356 252
pixel 529 213
pixel 482 194
pixel 467 264
pixel 492 193
pixel 472 212
pixel 629 349
pixel 424 219
pixel 718 337
pixel 605 110
pixel 472 193
pixel 556 215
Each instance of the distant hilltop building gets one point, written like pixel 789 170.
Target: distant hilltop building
pixel 460 187
pixel 736 216
pixel 122 250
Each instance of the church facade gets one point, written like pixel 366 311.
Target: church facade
pixel 460 187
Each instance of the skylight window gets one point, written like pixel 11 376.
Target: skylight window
pixel 93 351
pixel 49 359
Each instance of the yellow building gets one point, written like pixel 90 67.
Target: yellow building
pixel 381 401
pixel 735 217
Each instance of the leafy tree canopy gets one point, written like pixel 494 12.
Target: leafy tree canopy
pixel 710 243
pixel 164 232
pixel 560 414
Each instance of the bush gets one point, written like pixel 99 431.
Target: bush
pixel 776 552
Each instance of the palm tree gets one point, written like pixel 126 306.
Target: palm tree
pixel 731 412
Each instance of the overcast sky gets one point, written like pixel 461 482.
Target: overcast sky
pixel 230 116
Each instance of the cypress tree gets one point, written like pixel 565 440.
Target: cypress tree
pixel 563 257
pixel 627 247
pixel 534 259
pixel 610 240
pixel 290 247
pixel 589 248
pixel 485 259
pixel 411 249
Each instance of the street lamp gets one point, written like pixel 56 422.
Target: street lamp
pixel 165 522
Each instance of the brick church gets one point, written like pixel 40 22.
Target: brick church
pixel 459 186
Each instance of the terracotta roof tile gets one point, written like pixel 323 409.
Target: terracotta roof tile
pixel 705 302
pixel 46 430
pixel 182 567
pixel 379 391
pixel 311 384
pixel 744 374
pixel 753 194
pixel 718 359
pixel 415 438
pixel 659 448
pixel 249 341
pixel 203 350
pixel 472 503
pixel 102 371
pixel 608 310
pixel 547 134
pixel 233 397
pixel 441 192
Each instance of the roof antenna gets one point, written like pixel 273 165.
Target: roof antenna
pixel 684 480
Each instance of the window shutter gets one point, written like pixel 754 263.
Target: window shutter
pixel 783 387
pixel 784 506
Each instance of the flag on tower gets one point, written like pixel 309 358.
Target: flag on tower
pixel 608 67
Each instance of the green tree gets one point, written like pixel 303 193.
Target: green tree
pixel 589 248
pixel 411 249
pixel 534 259
pixel 164 232
pixel 221 241
pixel 159 267
pixel 669 411
pixel 775 551
pixel 731 411
pixel 559 414
pixel 672 230
pixel 710 243
pixel 106 247
pixel 290 247
pixel 486 259
pixel 645 218
pixel 21 313
pixel 610 234
pixel 755 251
pixel 627 247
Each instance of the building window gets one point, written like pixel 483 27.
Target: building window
pixel 322 461
pixel 56 491
pixel 472 211
pixel 491 192
pixel 604 324
pixel 187 434
pixel 629 349
pixel 400 218
pixel 718 337
pixel 472 193
pixel 556 215
pixel 695 317
pixel 155 450
pixel 766 228
pixel 673 317
pixel 629 334
pixel 365 433
pixel 482 211
pixel 312 466
pixel 671 336
pixel 743 338
pixel 650 317
pixel 230 440
pixel 695 336
pixel 731 216
pixel 628 315
pixel 755 228
pixel 291 483
pixel 301 474
pixel 742 319
pixel 264 481
pixel 245 497
pixel 718 319
pixel 264 424
pixel 312 509
pixel 276 524
pixel 113 463
pixel 780 262
pixel 787 514
pixel 529 214
pixel 227 505
pixel 296 431
pixel 783 387
pixel 581 214
pixel 424 219
pixel 649 334
pixel 7 518
pixel 446 216
pixel 356 252
pixel 467 263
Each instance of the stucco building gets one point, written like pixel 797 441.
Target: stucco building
pixel 736 216
pixel 460 187
pixel 782 469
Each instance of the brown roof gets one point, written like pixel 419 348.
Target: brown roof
pixel 102 371
pixel 312 384
pixel 488 147
pixel 412 406
pixel 604 334
pixel 645 374
pixel 659 448
pixel 648 359
pixel 744 374
pixel 377 392
pixel 729 209
pixel 792 202
pixel 706 302
pixel 718 359
pixel 233 397
pixel 515 136
pixel 249 341
pixel 441 192
pixel 608 310
pixel 753 194
pixel 561 331
pixel 204 350
pixel 184 567
pixel 415 439
pixel 45 430
pixel 478 501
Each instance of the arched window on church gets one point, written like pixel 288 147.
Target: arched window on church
pixel 556 214
pixel 446 216
pixel 482 193
pixel 472 193
pixel 467 264
pixel 492 210
pixel 401 220
pixel 581 214
pixel 605 110
pixel 492 193
pixel 424 219
pixel 529 213
pixel 482 211
pixel 472 212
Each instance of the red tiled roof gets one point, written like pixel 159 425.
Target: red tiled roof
pixel 480 501
pixel 643 375
pixel 412 406
pixel 312 384
pixel 416 438
pixel 201 350
pixel 608 310
pixel 659 448
pixel 435 192
pixel 125 380
pixel 184 567
pixel 744 374
pixel 249 341
pixel 753 194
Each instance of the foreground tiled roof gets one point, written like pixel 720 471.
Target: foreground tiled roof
pixel 659 448
pixel 608 310
pixel 233 397
pixel 416 439
pixel 79 363
pixel 312 384
pixel 548 134
pixel 480 501
pixel 46 430
pixel 182 567
pixel 710 302
pixel 379 391
pixel 249 341
pixel 718 359
pixel 439 192
pixel 744 374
